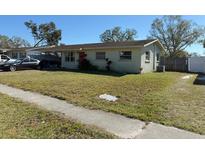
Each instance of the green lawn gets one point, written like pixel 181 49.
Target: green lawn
pixel 159 97
pixel 21 120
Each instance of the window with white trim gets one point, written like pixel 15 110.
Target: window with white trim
pixel 69 57
pixel 100 55
pixel 125 55
pixel 158 57
pixel 147 56
pixel 14 55
pixel 22 55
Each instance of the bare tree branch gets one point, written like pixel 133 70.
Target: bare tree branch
pixel 176 33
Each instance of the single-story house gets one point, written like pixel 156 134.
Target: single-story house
pixel 127 57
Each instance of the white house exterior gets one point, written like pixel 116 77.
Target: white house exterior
pixel 126 57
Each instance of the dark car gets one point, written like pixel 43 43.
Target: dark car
pixel 48 60
pixel 26 63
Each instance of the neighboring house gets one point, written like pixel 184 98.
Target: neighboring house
pixel 3 51
pixel 15 53
pixel 126 57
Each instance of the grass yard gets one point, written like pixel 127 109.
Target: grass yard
pixel 21 120
pixel 159 97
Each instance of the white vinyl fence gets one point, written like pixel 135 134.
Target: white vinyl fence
pixel 196 64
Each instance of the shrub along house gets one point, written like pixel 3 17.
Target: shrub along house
pixel 127 57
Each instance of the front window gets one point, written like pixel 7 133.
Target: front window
pixel 147 56
pixel 14 55
pixel 125 55
pixel 69 57
pixel 158 56
pixel 22 55
pixel 100 55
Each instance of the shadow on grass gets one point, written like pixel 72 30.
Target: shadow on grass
pixel 106 73
pixel 200 79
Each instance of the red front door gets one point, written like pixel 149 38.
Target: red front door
pixel 82 56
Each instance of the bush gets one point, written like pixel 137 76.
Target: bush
pixel 86 65
pixel 108 63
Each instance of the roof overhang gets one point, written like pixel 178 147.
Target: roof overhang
pixel 85 47
pixel 155 41
pixel 4 50
pixel 15 49
pixel 61 49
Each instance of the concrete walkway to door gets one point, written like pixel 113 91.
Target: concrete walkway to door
pixel 118 125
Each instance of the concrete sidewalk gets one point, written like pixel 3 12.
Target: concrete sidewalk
pixel 121 126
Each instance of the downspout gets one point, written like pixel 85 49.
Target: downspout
pixel 154 58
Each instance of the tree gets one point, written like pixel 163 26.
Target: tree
pixel 18 42
pixel 117 35
pixel 182 53
pixel 14 42
pixel 175 33
pixel 44 34
pixel 4 41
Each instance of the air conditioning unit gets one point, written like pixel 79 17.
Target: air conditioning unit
pixel 161 68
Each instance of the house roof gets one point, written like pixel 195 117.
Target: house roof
pixel 110 45
pixel 127 44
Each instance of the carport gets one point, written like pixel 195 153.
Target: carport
pixel 48 55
